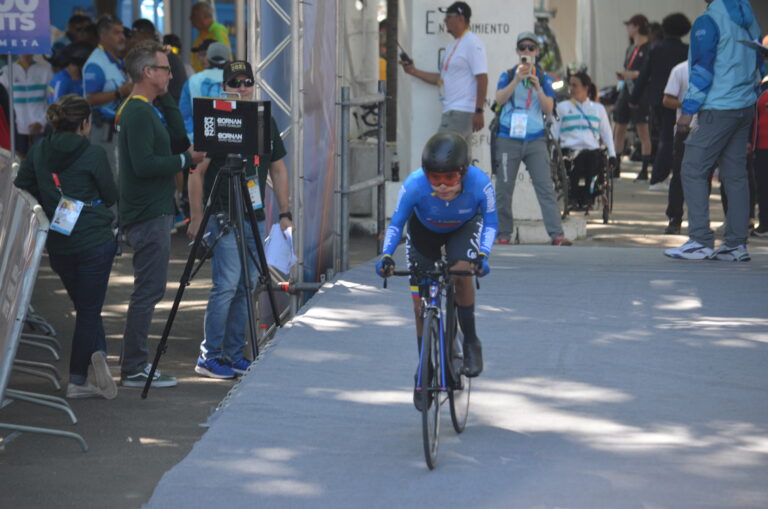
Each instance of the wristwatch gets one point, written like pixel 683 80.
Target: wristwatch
pixel 286 215
pixel 478 110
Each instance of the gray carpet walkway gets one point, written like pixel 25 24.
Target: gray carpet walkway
pixel 614 377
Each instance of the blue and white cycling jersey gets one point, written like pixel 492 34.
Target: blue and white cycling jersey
pixel 440 216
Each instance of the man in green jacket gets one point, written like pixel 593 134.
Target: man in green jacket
pixel 149 124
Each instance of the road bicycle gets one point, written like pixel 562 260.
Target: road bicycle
pixel 440 376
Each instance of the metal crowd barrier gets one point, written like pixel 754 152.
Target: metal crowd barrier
pixel 23 231
pixel 377 181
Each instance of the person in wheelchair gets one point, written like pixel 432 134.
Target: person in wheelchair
pixel 583 130
pixel 447 203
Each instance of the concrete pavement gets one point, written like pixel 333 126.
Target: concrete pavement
pixel 614 377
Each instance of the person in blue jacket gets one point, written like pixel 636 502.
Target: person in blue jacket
pixel 447 202
pixel 69 80
pixel 724 75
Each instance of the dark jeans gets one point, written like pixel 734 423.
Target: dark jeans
pixel 761 178
pixel 85 276
pixel 663 162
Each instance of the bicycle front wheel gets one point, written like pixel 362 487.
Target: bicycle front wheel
pixel 458 392
pixel 430 387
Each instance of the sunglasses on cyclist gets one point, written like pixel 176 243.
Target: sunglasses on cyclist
pixel 526 47
pixel 449 178
pixel 247 82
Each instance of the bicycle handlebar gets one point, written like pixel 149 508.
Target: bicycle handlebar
pixel 433 273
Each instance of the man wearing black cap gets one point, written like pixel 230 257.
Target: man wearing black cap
pixel 222 349
pixel 463 76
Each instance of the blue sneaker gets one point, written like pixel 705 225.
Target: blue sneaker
pixel 241 366
pixel 213 368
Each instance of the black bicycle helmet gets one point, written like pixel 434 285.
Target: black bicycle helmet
pixel 445 151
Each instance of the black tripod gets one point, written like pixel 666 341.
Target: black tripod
pixel 239 205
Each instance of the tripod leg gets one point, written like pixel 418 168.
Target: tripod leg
pixel 183 283
pixel 263 267
pixel 238 207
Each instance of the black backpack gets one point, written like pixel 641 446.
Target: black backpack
pixel 493 127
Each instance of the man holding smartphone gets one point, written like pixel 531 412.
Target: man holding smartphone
pixel 463 76
pixel 525 94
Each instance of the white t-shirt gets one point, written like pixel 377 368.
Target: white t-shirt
pixel 677 85
pixel 463 60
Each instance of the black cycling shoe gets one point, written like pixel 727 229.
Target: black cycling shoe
pixel 473 358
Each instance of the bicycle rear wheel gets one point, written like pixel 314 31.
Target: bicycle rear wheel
pixel 458 393
pixel 430 387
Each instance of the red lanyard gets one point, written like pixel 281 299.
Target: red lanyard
pixel 530 98
pixel 458 41
pixel 634 54
pixel 57 182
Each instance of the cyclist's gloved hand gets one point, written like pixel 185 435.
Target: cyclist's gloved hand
pixel 385 266
pixel 481 265
pixel 613 162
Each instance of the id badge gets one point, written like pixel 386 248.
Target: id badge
pixel 517 125
pixel 67 213
pixel 255 193
pixel 441 89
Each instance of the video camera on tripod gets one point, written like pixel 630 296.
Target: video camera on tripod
pixel 234 127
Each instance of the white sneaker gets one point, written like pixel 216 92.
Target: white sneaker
pixel 86 390
pixel 104 381
pixel 691 250
pixel 731 254
pixel 659 186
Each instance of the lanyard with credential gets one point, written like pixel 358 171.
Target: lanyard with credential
pixel 634 54
pixel 140 98
pixel 458 41
pixel 57 183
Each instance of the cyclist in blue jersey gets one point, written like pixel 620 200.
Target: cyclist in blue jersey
pixel 447 203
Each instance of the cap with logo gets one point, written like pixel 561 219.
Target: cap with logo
pixel 237 68
pixel 458 8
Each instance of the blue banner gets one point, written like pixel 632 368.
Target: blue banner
pixel 25 27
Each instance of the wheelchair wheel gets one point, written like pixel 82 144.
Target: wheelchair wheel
pixel 607 199
pixel 559 177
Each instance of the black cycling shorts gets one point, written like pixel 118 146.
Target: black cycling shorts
pixel 623 114
pixel 423 246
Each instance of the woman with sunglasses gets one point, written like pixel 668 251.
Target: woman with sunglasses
pixel 584 126
pixel 447 203
pixel 525 94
